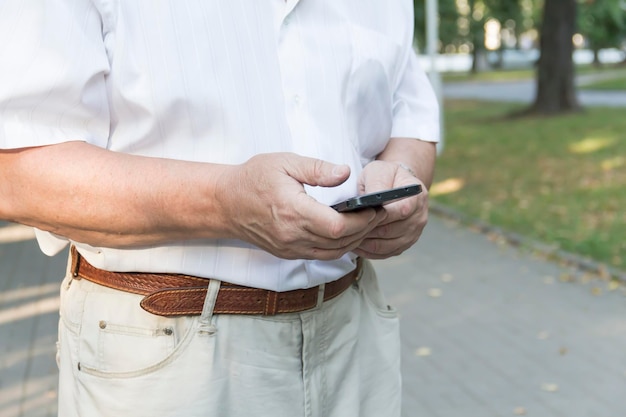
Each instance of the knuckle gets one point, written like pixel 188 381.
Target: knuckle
pixel 372 246
pixel 407 210
pixel 318 168
pixel 337 228
pixel 383 231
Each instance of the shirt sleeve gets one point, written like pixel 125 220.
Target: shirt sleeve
pixel 415 104
pixel 53 66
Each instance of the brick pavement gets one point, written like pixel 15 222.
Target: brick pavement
pixel 488 330
pixel 28 322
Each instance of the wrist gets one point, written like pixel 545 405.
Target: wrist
pixel 406 168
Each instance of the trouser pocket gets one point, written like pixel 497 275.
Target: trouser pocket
pixel 114 336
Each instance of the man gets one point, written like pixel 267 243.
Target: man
pixel 189 151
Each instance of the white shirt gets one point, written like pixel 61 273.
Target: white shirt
pixel 214 81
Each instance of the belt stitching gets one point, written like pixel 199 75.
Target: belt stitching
pixel 271 306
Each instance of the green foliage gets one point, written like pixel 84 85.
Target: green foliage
pixel 448 26
pixel 602 22
pixel 464 25
pixel 505 10
pixel 461 22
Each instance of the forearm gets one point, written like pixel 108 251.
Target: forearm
pixel 109 199
pixel 419 156
pixel 115 200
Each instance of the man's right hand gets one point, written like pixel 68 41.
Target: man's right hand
pixel 264 203
pixel 111 199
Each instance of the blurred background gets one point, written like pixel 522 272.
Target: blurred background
pixel 533 95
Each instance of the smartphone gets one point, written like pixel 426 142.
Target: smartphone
pixel 377 199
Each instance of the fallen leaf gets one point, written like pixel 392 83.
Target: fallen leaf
pixel 435 292
pixel 446 277
pixel 549 387
pixel 603 271
pixel 596 291
pixel 563 351
pixel 520 411
pixel 548 280
pixel 543 335
pixel 423 351
pixel 613 285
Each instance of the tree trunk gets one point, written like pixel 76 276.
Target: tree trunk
pixel 477 30
pixel 556 92
pixel 596 57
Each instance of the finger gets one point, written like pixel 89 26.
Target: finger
pixel 329 252
pixel 382 248
pixel 401 210
pixel 397 229
pixel 325 222
pixel 369 255
pixel 386 247
pixel 346 243
pixel 317 232
pixel 339 244
pixel 316 172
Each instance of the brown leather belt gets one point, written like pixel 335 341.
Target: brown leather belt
pixel 172 295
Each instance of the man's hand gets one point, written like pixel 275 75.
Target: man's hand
pixel 268 207
pixel 118 200
pixel 406 218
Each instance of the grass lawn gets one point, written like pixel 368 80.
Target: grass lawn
pixel 496 75
pixel 560 180
pixel 618 83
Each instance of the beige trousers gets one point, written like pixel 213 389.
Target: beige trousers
pixel 341 359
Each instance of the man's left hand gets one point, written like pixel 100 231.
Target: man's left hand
pixel 406 218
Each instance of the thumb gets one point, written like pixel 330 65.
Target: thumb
pixel 317 172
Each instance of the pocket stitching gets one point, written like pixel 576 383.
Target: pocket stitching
pixel 175 353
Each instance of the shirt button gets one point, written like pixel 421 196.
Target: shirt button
pixel 297 99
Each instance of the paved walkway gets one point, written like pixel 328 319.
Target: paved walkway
pixel 487 330
pixel 524 91
pixel 29 286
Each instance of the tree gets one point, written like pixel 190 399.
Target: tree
pixel 603 24
pixel 477 33
pixel 505 11
pixel 510 15
pixel 448 27
pixel 556 92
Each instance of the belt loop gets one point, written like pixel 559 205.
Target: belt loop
pixel 209 305
pixel 271 303
pixel 320 295
pixel 75 263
